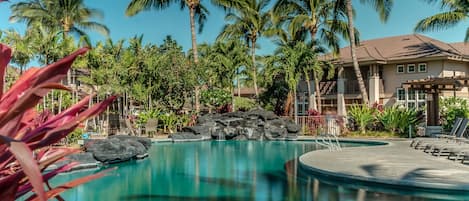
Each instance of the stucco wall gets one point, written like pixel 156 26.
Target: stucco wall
pixel 446 68
pixel 393 80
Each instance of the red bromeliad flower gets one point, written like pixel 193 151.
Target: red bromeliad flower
pixel 22 130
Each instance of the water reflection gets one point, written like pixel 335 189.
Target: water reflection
pixel 231 171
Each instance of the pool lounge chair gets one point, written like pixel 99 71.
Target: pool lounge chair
pixel 439 147
pixel 420 143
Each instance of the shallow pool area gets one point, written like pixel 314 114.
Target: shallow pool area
pixel 231 170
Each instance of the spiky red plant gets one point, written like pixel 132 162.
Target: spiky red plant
pixel 22 130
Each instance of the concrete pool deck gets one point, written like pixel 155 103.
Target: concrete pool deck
pixel 393 164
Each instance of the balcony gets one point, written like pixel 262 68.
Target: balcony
pixel 351 87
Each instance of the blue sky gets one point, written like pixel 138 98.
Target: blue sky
pixel 155 25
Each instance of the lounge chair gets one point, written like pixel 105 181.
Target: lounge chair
pixel 447 146
pixel 421 143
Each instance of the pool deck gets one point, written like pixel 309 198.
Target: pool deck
pixel 394 164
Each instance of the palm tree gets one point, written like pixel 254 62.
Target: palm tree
pixel 294 60
pixel 249 20
pixel 22 53
pixel 223 60
pixel 68 16
pixel 383 7
pixel 458 12
pixel 318 19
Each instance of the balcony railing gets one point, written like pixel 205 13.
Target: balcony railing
pixel 350 87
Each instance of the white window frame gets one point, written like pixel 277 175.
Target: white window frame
pixel 409 97
pixel 398 66
pixel 423 64
pixel 408 101
pixel 397 94
pixel 408 69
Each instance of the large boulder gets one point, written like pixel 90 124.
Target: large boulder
pixel 117 149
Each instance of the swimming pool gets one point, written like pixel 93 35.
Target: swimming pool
pixel 231 171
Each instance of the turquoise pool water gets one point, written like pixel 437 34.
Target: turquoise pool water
pixel 229 171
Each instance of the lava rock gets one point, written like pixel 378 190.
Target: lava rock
pixel 185 136
pixel 292 127
pixel 143 140
pixel 116 149
pixel 253 125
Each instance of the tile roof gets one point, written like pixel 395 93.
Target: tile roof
pixel 412 46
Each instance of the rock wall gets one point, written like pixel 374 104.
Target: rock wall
pixel 252 125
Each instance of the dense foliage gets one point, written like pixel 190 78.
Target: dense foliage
pixel 394 119
pixel 362 116
pixel 452 108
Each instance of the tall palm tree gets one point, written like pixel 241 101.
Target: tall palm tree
pixel 223 60
pixel 318 19
pixel 67 16
pixel 458 12
pixel 249 20
pixel 383 7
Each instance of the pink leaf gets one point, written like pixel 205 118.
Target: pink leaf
pixel 28 100
pixel 5 56
pixel 25 158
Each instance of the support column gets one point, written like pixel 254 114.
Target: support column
pixel 433 113
pixel 374 84
pixel 341 110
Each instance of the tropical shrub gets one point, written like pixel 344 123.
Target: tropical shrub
pixel 24 130
pixel 244 104
pixel 214 98
pixel 362 116
pixel 74 136
pixel 452 108
pixel 170 121
pixel 399 120
pixel 316 123
pixel 144 116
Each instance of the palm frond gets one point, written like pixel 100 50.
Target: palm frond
pixel 440 21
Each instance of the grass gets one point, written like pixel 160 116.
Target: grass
pixel 372 134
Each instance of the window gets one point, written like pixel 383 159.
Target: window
pixel 411 98
pixel 422 67
pixel 411 95
pixel 411 68
pixel 400 94
pixel 400 68
pixel 422 96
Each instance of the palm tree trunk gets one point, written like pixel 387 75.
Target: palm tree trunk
pixel 238 84
pixel 317 89
pixel 287 106
pixel 195 54
pixel 61 97
pixel 254 69
pixel 353 50
pixel 90 103
pixel 295 107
